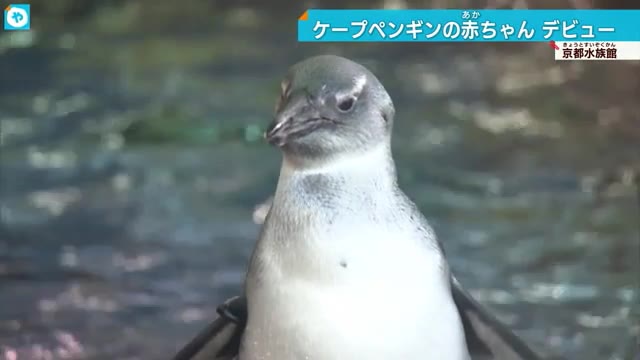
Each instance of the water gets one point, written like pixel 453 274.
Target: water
pixel 132 162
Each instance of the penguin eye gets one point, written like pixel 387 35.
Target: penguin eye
pixel 346 104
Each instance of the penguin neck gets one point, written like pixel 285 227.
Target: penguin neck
pixel 374 167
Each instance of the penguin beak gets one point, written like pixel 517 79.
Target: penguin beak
pixel 299 117
pixel 277 132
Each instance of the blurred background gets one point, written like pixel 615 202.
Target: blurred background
pixel 132 160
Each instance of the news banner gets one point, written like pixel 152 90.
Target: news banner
pixel 571 34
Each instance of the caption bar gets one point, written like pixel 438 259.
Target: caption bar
pixel 468 25
pixel 573 34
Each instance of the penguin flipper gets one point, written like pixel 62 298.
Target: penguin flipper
pixel 487 337
pixel 220 340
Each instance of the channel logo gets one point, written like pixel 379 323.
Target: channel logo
pixel 17 17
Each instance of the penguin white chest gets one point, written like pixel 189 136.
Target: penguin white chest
pixel 347 294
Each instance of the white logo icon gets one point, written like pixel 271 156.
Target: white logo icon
pixel 17 17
